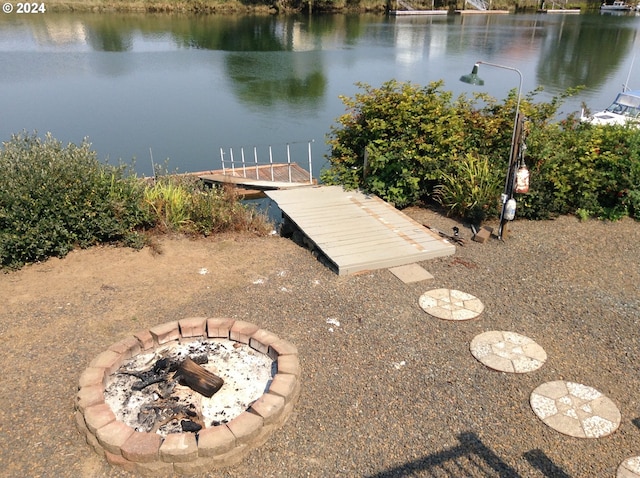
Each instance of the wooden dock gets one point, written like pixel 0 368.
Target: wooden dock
pixel 266 176
pixel 358 232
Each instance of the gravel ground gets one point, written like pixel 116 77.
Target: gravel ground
pixel 390 392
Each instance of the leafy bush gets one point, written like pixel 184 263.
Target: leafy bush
pixel 54 198
pixel 407 143
pixel 577 168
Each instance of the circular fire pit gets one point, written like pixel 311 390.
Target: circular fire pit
pixel 145 376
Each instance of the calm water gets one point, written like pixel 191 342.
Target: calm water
pixel 187 86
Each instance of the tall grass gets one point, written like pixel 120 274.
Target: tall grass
pixel 183 204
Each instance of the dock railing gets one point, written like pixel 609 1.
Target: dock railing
pixel 250 167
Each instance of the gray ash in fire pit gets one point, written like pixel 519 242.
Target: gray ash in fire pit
pixel 147 394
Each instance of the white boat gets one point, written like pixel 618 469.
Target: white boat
pixel 625 109
pixel 616 6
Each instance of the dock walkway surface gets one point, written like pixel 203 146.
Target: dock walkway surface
pixel 356 231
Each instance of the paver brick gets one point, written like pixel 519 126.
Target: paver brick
pixel 113 435
pixel 242 331
pixel 218 328
pixel 282 347
pixel 88 396
pixel 284 385
pixel 215 441
pixel 179 447
pixel 269 407
pixel 193 326
pixel 246 426
pixel 109 360
pixel 261 340
pixel 92 376
pixel 145 339
pixel 120 461
pixel 98 416
pixel 164 333
pixel 289 364
pixel 142 447
pixel 128 347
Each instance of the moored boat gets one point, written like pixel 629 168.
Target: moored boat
pixel 616 6
pixel 625 109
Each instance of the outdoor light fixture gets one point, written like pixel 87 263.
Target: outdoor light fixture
pixel 473 78
pixel 508 203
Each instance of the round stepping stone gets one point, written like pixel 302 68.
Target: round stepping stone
pixel 575 409
pixel 508 352
pixel 629 468
pixel 450 304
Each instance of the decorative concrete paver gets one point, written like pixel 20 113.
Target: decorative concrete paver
pixel 411 273
pixel 575 409
pixel 451 304
pixel 629 468
pixel 508 351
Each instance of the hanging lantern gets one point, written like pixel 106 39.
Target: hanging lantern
pixel 522 179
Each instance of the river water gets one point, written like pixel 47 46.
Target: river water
pixel 180 88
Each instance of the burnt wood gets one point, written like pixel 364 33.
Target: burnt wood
pixel 198 378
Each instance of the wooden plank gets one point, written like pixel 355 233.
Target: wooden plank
pixel 358 232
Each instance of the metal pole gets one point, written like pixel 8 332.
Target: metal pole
pixel 255 156
pixel 508 186
pixel 289 161
pixel 271 161
pixel 233 167
pixel 310 164
pixel 222 159
pixel 244 171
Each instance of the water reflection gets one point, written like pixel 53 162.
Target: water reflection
pixel 267 79
pixel 273 78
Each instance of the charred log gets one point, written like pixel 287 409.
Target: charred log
pixel 198 378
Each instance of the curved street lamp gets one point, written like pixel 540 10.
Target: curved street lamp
pixel 473 79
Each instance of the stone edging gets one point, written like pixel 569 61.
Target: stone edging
pixel 150 454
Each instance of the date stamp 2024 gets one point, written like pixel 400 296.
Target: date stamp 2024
pixel 24 7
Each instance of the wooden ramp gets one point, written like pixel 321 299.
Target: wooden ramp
pixel 358 232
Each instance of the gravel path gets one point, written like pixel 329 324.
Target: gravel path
pixel 390 391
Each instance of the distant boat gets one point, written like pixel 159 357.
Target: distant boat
pixel 616 6
pixel 625 109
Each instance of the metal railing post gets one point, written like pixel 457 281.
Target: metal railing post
pixel 271 161
pixel 289 161
pixel 255 156
pixel 310 164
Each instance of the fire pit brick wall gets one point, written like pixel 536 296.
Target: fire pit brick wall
pixel 150 454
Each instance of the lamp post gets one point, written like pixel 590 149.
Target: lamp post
pixel 474 79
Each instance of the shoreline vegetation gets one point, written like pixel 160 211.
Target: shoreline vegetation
pixel 269 7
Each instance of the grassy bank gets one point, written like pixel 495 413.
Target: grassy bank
pixel 216 6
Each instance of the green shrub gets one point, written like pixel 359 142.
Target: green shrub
pixel 421 144
pixel 470 188
pixel 181 203
pixel 54 198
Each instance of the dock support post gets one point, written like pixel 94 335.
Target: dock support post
pixel 310 166
pixel 271 161
pixel 222 160
pixel 289 161
pixel 255 157
pixel 244 170
pixel 233 167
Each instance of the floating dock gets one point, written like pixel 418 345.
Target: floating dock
pixel 260 178
pixel 357 232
